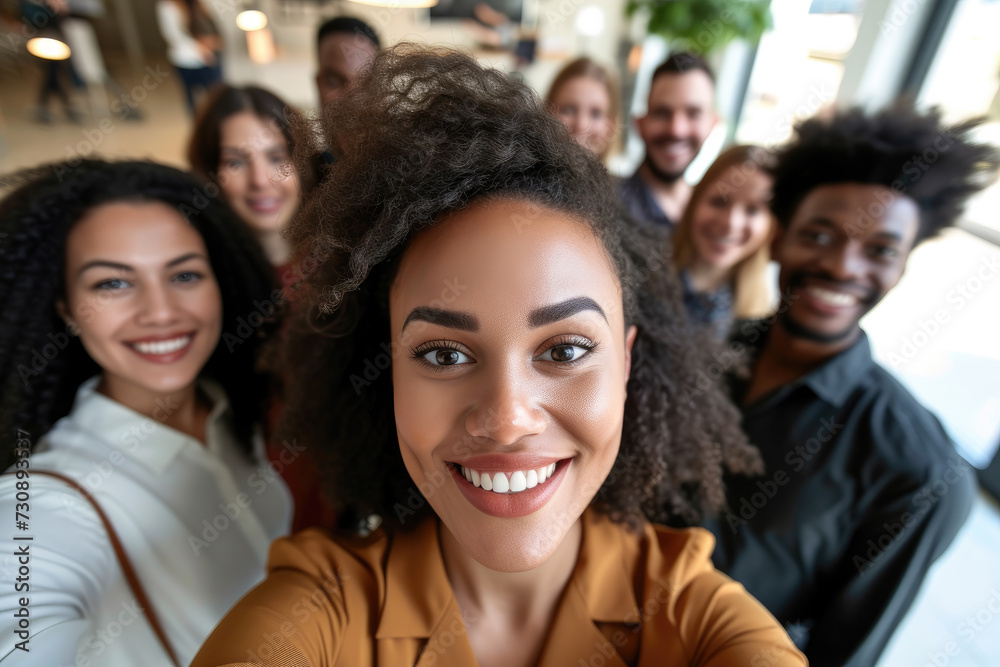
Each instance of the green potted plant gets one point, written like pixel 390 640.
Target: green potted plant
pixel 704 26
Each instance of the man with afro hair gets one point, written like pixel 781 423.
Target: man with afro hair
pixel 863 489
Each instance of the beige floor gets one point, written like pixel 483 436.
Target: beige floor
pixel 964 584
pixel 161 135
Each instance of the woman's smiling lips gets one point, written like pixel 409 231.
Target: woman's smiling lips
pixel 265 204
pixel 164 349
pixel 509 485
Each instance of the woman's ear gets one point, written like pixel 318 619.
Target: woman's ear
pixel 630 334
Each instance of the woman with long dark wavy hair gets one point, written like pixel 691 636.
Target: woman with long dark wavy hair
pixel 134 305
pixel 243 142
pixel 495 364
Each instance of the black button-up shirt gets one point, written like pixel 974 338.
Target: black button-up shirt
pixel 863 490
pixel 640 203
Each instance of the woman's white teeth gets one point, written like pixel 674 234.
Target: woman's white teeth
pixel 162 346
pixel 516 482
pixel 834 298
pixel 500 483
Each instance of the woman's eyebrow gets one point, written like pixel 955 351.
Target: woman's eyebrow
pixel 452 319
pixel 562 310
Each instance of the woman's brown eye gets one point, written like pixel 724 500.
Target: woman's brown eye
pixel 447 357
pixel 563 353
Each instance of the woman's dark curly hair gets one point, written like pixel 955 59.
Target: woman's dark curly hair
pixel 428 133
pixel 41 364
pixel 911 153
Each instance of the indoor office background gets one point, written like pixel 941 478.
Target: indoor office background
pixel 938 331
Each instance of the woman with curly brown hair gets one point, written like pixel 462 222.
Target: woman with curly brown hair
pixel 496 365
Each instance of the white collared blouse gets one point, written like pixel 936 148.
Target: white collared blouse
pixel 195 519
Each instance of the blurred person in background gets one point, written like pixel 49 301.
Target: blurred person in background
pixel 194 45
pixel 344 47
pixel 59 75
pixel 119 290
pixel 243 142
pixel 864 489
pixel 679 117
pixel 721 244
pixel 585 98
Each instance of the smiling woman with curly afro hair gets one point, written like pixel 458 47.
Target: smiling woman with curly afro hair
pixel 491 359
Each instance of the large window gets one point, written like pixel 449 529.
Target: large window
pixel 964 81
pixel 938 330
pixel 799 66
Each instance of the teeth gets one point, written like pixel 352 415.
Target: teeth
pixel 833 298
pixel 515 482
pixel 518 482
pixel 162 346
pixel 500 483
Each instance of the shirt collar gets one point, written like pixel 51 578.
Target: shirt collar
pixel 639 190
pixel 143 439
pixel 414 611
pixel 833 382
pixel 600 582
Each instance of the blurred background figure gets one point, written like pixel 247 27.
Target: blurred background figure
pixel 585 98
pixel 194 45
pixel 344 47
pixel 721 242
pixel 243 141
pixel 679 117
pixel 59 75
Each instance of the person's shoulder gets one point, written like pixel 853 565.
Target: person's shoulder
pixel 901 427
pixel 711 614
pixel 678 556
pixel 316 550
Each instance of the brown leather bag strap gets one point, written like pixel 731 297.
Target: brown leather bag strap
pixel 126 564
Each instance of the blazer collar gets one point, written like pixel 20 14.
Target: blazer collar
pixel 601 589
